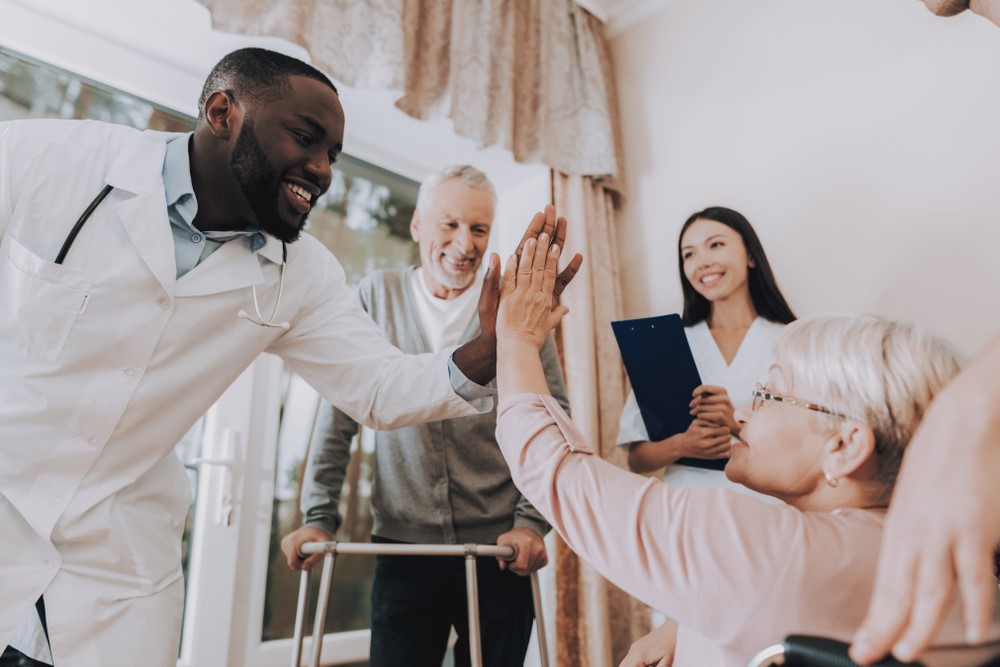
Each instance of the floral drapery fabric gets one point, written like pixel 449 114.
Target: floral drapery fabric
pixel 529 75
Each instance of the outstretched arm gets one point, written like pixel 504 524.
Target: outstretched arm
pixel 943 523
pixel 644 536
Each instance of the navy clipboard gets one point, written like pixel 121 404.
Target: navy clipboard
pixel 663 375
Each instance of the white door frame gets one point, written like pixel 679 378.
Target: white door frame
pixel 228 563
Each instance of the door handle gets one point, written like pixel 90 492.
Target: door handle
pixel 226 455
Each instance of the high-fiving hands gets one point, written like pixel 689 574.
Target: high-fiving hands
pixel 529 310
pixel 554 228
pixel 529 307
pixel 477 358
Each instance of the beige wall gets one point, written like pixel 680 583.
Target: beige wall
pixel 860 137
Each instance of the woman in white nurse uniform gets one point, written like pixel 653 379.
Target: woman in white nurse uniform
pixel 733 311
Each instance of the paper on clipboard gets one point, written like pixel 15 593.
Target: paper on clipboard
pixel 663 375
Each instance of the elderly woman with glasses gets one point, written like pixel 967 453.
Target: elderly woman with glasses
pixel 825 435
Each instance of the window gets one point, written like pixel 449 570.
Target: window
pixel 365 219
pixel 30 89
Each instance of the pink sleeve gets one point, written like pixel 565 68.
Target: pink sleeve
pixel 705 557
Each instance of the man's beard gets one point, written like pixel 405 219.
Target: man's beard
pixel 261 185
pixel 450 280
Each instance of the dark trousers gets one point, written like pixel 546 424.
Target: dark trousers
pixel 13 658
pixel 417 599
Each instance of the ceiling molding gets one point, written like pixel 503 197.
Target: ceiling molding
pixel 595 7
pixel 620 15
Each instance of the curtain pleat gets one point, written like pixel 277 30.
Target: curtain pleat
pixel 528 75
pixel 535 77
pixel 596 622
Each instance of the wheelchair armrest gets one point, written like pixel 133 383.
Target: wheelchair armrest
pixel 808 651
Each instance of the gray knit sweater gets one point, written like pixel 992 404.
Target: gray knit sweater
pixel 443 482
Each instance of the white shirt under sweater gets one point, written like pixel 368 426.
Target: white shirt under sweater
pixel 445 320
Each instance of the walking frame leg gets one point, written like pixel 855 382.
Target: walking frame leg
pixel 329 560
pixel 536 596
pixel 471 554
pixel 300 618
pixel 472 601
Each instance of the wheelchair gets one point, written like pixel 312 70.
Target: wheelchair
pixel 808 651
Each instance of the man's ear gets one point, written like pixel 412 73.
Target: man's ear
pixel 222 115
pixel 415 227
pixel 847 450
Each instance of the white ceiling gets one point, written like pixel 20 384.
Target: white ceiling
pixel 161 50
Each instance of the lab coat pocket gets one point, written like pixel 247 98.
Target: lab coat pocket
pixel 150 517
pixel 39 301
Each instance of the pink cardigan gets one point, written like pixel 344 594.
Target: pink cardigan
pixel 736 573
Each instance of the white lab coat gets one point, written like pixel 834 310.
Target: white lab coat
pixel 107 360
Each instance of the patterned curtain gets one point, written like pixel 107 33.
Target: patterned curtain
pixel 535 77
pixel 528 75
pixel 595 621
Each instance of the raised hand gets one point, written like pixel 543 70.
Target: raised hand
pixel 527 311
pixel 477 358
pixel 546 222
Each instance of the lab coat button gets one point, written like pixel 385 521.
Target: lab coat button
pixel 196 238
pixel 131 372
pixel 93 442
pixel 164 302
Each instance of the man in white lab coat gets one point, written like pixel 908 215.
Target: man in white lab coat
pixel 113 344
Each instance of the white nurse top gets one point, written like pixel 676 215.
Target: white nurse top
pixel 751 365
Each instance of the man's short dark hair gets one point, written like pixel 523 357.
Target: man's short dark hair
pixel 256 76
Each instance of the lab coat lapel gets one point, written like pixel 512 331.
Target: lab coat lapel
pixel 233 266
pixel 145 221
pixel 139 169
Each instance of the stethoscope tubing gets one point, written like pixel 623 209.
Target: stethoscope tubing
pixel 71 237
pixel 68 243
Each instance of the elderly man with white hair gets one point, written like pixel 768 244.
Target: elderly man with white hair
pixel 439 483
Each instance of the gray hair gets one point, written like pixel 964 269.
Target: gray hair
pixel 468 174
pixel 870 369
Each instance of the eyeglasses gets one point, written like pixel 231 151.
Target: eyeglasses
pixel 761 393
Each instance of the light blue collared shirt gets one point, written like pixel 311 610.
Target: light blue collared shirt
pixel 191 245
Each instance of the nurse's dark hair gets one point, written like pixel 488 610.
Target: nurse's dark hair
pixel 764 293
pixel 256 76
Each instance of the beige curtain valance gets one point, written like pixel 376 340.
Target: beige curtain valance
pixel 532 76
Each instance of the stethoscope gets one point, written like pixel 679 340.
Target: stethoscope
pixel 258 320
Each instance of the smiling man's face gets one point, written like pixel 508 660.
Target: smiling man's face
pixel 453 233
pixel 283 155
